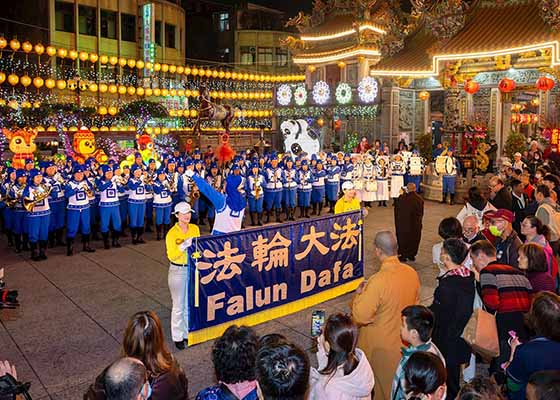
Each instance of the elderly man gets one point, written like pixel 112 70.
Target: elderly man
pixel 500 196
pixel 409 211
pixel 126 379
pixel 471 230
pixel 376 308
pixel 507 243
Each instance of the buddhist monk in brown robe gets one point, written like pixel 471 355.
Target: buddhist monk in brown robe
pixel 409 212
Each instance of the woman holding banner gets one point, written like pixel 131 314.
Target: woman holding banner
pixel 177 242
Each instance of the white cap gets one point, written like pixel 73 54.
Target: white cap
pixel 347 186
pixel 183 208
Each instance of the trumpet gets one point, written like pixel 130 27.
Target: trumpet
pixel 88 190
pixel 258 188
pixel 173 184
pixel 38 197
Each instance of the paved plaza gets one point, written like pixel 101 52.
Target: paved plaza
pixel 74 309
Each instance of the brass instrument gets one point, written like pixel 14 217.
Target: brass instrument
pixel 195 194
pixel 88 190
pixel 30 204
pixel 11 202
pixel 258 188
pixel 173 183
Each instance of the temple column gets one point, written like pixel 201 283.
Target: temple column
pixel 390 115
pixel 496 117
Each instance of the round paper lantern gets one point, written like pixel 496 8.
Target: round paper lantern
pixel 172 69
pixel 424 95
pixel 2 77
pixel 157 67
pixel 140 91
pixel 51 51
pixel 164 67
pixel 103 88
pixel 61 84
pixel 122 89
pixel 320 122
pixel 102 110
pixel 113 60
pixel 38 82
pixel 13 79
pixel 180 69
pixel 50 83
pixel 14 44
pixel 112 110
pixel 61 53
pixel 149 92
pixel 72 54
pixel 113 89
pixel 25 80
pixel 544 84
pixel 188 71
pixel 93 58
pixel 103 59
pixel 157 92
pixel 93 87
pixel 471 87
pixel 39 49
pixel 506 85
pixel 27 47
pixel 149 65
pixel 3 42
pixel 131 90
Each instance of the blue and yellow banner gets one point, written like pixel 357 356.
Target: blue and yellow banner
pixel 257 275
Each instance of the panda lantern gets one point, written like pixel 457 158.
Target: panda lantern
pixel 84 147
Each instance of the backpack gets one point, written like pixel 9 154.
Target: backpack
pixel 554 221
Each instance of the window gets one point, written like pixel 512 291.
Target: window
pixel 265 56
pixel 108 24
pixel 247 54
pixel 281 57
pixel 64 16
pixel 157 32
pixel 87 20
pixel 221 21
pixel 128 27
pixel 170 36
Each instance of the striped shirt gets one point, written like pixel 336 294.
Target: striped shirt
pixel 505 289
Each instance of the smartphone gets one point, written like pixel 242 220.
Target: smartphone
pixel 317 322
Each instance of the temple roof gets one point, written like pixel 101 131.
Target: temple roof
pixel 489 29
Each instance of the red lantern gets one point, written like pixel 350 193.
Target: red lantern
pixel 544 84
pixel 506 85
pixel 471 87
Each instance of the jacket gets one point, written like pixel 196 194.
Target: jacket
pixel 545 213
pixel 506 249
pixel 355 386
pixel 468 209
pixel 502 199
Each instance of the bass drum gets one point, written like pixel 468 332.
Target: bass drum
pixel 444 165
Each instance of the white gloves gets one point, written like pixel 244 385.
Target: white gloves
pixel 189 173
pixel 185 245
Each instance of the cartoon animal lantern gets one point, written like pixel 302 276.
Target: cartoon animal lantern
pixel 224 152
pixel 145 147
pixel 22 144
pixel 300 137
pixel 85 147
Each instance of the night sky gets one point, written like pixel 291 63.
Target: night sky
pixel 289 6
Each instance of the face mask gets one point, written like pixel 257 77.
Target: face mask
pixel 495 231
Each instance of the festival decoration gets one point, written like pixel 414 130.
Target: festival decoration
pixel 506 85
pixel 211 111
pixel 343 93
pixel 544 84
pixel 146 147
pixel 471 87
pixel 321 92
pixel 351 143
pixel 224 153
pixel 550 13
pixel 368 89
pixel 284 95
pixel 22 144
pixel 165 144
pixel 424 95
pixel 299 137
pixel 300 95
pixel 85 147
pixel 444 18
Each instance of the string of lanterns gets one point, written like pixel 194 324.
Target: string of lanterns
pixel 321 93
pixel 193 113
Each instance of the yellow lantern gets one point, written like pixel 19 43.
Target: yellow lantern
pixel 234 95
pixel 245 95
pixel 157 92
pixel 112 110
pixel 215 74
pixel 187 71
pixel 113 60
pixel 221 74
pixel 2 77
pixel 157 67
pixel 131 90
pixel 208 73
pixel 227 75
pixel 194 71
pixel 157 130
pixel 14 44
pixel 179 113
pixel 83 56
pixel 251 95
pixel 424 95
pixel 61 84
pixel 262 95
pixel 245 76
pixel 180 69
pixel 25 80
pixel 3 42
pixel 140 91
pixel 2 102
pixel 62 52
pixel 149 65
pixel 172 69
pixel 72 54
pixel 193 113
pixel 172 113
pixel 195 93
pixel 250 114
pixel 50 83
pixel 103 88
pixel 131 63
pixel 227 95
pixel 188 93
pixel 234 75
pixel 251 77
pixel 173 92
pixel 181 93
pixel 27 47
pixel 102 110
pixel 103 59
pixel 122 89
pixel 38 82
pixel 104 129
pixel 93 58
pixel 51 51
pixel 39 49
pixel 164 67
pixel 149 92
pixel 93 128
pixel 113 89
pixel 13 79
pixel 221 94
pixel 36 104
pixel 140 64
pixel 164 92
pixel 93 87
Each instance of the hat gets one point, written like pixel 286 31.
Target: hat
pixel 116 167
pixel 29 161
pixel 78 168
pixel 33 173
pixel 502 213
pixel 347 186
pixel 105 168
pixel 137 155
pixel 161 170
pixel 20 173
pixel 151 160
pixel 183 208
pixel 134 168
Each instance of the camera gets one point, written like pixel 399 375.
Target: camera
pixel 8 298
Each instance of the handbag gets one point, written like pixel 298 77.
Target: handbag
pixel 481 333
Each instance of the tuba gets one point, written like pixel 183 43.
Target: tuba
pixel 30 204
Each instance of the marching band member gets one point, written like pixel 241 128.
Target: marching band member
pixel 214 179
pixel 122 180
pixel 318 188
pixel 398 169
pixel 449 177
pixel 20 232
pixel 289 188
pixel 137 204
pixel 177 242
pixel 162 204
pixel 230 207
pixel 255 184
pixel 109 212
pixel 7 211
pixel 57 203
pixel 38 214
pixel 173 178
pixel 151 177
pixel 139 162
pixel 93 200
pixel 28 165
pixel 77 210
pixel 304 180
pixel 332 183
pixel 273 189
pixel 381 176
pixel 346 169
pixel 369 183
pixel 415 169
